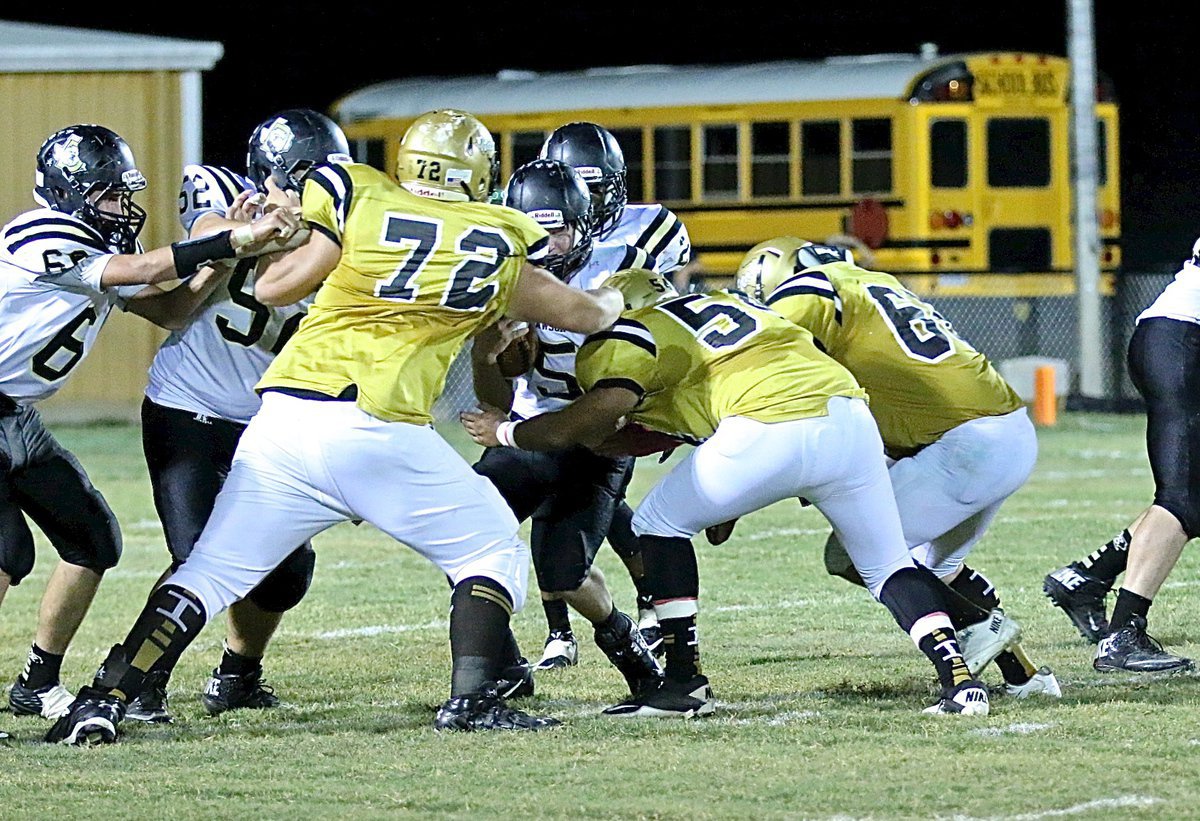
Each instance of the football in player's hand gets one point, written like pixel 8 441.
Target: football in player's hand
pixel 517 359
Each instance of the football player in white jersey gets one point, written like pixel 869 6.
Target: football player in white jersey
pixel 201 397
pixel 594 152
pixel 570 494
pixel 1164 364
pixel 63 267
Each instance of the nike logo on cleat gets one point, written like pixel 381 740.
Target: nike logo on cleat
pixel 1069 578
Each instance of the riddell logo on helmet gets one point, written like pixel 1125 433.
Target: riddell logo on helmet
pixel 548 217
pixel 66 155
pixel 590 173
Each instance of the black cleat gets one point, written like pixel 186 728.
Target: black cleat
pixel 671 699
pixel 1081 596
pixel 516 680
pixel 150 705
pixel 230 691
pixel 1132 651
pixel 627 650
pixel 93 719
pixel 49 701
pixel 486 710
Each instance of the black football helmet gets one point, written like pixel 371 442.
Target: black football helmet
pixel 594 152
pixel 555 196
pixel 287 144
pixel 81 165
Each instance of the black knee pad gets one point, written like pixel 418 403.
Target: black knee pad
pixel 671 569
pixel 16 556
pixel 620 533
pixel 286 585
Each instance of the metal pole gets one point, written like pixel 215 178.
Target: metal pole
pixel 1081 50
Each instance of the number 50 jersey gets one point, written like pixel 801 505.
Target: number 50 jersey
pixel 699 358
pixel 417 277
pixel 210 366
pixel 922 377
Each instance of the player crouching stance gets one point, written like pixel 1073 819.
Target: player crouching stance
pixel 780 420
pixel 407 273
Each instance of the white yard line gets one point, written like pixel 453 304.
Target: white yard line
pixel 1020 728
pixel 1120 802
pixel 380 629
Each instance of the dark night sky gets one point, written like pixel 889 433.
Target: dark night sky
pixel 309 54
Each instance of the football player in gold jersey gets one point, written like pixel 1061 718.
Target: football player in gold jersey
pixel 407 273
pixel 958 436
pixel 776 418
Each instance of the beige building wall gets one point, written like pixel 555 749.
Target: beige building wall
pixel 144 108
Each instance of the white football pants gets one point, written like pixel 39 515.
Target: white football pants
pixel 949 493
pixel 303 466
pixel 834 461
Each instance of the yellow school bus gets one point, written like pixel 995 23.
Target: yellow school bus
pixel 951 171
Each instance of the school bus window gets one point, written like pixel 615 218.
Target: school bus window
pixel 526 145
pixel 720 162
pixel 371 152
pixel 948 153
pixel 769 159
pixel 820 158
pixel 1102 151
pixel 871 157
pixel 673 163
pixel 1018 152
pixel 630 140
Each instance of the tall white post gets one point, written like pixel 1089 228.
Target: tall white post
pixel 1081 50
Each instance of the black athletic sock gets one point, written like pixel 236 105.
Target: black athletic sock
pixel 41 668
pixel 170 621
pixel 940 646
pixel 612 622
pixel 674 579
pixel 1109 561
pixel 510 654
pixel 682 646
pixel 961 610
pixel 1015 666
pixel 916 599
pixel 1129 605
pixel 235 664
pixel 480 609
pixel 557 615
pixel 975 588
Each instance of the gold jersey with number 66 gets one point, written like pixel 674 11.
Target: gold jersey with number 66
pixel 417 277
pixel 699 358
pixel 922 378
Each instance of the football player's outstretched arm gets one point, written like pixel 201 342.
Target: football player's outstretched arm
pixel 540 297
pixel 183 259
pixel 288 278
pixel 173 309
pixel 587 421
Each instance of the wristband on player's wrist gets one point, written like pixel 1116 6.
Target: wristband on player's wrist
pixel 193 254
pixel 505 434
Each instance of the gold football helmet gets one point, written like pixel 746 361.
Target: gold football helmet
pixel 641 287
pixel 448 155
pixel 767 265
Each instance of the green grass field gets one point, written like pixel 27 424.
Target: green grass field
pixel 819 694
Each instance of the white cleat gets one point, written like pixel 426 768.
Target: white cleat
pixel 562 650
pixel 983 641
pixel 967 699
pixel 1043 683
